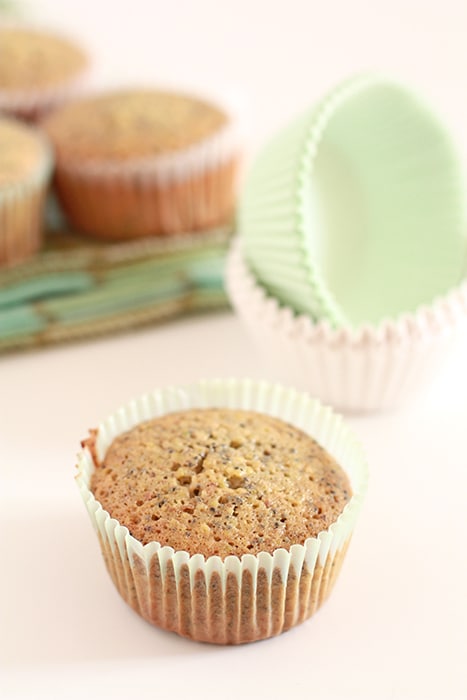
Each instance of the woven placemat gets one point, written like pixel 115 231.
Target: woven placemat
pixel 77 288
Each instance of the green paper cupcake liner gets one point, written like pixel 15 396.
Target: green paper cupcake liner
pixel 356 211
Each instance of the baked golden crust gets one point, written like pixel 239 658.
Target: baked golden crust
pixel 128 125
pixel 33 60
pixel 220 482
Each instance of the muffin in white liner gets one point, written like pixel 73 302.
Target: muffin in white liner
pixel 25 171
pixel 39 70
pixel 234 600
pixel 144 162
pixel 370 368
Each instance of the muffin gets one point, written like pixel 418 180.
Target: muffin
pixel 38 71
pixel 25 168
pixel 143 163
pixel 220 511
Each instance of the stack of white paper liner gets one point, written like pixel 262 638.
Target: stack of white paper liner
pixel 370 368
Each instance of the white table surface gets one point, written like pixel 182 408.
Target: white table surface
pixel 395 626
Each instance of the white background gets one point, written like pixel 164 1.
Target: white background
pixel 396 624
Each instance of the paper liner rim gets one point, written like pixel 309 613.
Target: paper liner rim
pixel 427 322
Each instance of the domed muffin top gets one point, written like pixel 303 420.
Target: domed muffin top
pixel 128 125
pixel 220 482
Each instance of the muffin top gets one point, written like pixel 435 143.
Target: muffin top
pixel 33 60
pixel 220 482
pixel 130 125
pixel 22 152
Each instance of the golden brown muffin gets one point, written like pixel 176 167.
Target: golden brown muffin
pixel 36 70
pixel 259 494
pixel 142 162
pixel 25 164
pixel 220 482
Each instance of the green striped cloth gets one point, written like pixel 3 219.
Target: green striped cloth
pixel 78 288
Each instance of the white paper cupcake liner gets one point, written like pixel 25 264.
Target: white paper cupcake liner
pixel 372 368
pixel 21 212
pixel 234 600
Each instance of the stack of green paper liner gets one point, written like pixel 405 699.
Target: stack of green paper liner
pixel 77 288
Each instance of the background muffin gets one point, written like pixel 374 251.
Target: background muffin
pixel 25 167
pixel 210 524
pixel 38 70
pixel 141 162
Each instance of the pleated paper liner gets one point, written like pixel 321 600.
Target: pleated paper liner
pixel 22 206
pixel 77 288
pixel 370 368
pixel 356 211
pixel 234 600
